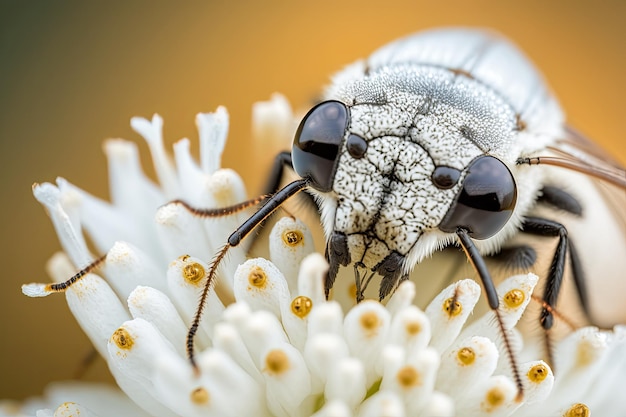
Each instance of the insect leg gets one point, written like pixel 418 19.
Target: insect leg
pixel 271 204
pixel 42 290
pixel 282 160
pixel 557 197
pixel 562 200
pixel 492 298
pixel 545 227
pixel 390 269
pixel 337 253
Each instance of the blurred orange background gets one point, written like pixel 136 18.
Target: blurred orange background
pixel 73 73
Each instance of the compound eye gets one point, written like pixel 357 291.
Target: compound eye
pixel 486 200
pixel 315 150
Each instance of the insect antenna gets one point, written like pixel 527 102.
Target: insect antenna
pixel 471 251
pixel 613 176
pixel 271 204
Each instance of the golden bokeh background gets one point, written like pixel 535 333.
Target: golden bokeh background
pixel 73 73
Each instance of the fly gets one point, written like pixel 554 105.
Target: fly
pixel 449 138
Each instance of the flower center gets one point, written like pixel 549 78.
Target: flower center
pixel 200 396
pixel 369 320
pixel 514 298
pixel 408 377
pixel 122 339
pixel 413 328
pixel 276 362
pixel 453 307
pixel 537 373
pixel 293 237
pixel 257 277
pixel 494 398
pixel 466 356
pixel 301 306
pixel 577 410
pixel 193 272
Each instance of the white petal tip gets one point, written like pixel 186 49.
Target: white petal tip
pixel 35 290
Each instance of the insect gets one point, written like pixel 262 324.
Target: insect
pixel 451 138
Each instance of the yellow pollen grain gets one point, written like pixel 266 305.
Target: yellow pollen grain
pixel 301 306
pixel 369 321
pixel 413 327
pixel 466 356
pixel 276 362
pixel 514 298
pixel 408 377
pixel 122 339
pixel 193 272
pixel 293 238
pixel 493 399
pixel 257 277
pixel 577 410
pixel 452 310
pixel 199 396
pixel 537 373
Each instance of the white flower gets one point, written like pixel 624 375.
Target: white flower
pixel 270 344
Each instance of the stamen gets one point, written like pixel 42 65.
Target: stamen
pixel 514 298
pixel 193 273
pixel 276 362
pixel 301 306
pixel 257 277
pixel 538 373
pixel 494 398
pixel 200 396
pixel 370 322
pixel 452 307
pixel 408 377
pixel 122 339
pixel 292 237
pixel 466 356
pixel 577 410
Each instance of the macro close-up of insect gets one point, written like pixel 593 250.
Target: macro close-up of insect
pixel 451 137
pixel 445 144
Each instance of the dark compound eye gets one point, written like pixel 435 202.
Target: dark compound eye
pixel 316 145
pixel 357 146
pixel 445 177
pixel 486 201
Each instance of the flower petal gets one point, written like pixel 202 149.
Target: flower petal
pixel 152 132
pixel 287 378
pixel 213 129
pixel 290 241
pixel 133 349
pixel 127 267
pixel 446 320
pixel 153 306
pixel 67 229
pixel 366 328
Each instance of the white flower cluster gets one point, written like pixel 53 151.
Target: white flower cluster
pixel 270 344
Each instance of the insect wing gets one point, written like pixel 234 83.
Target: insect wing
pixel 600 233
pixel 485 56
